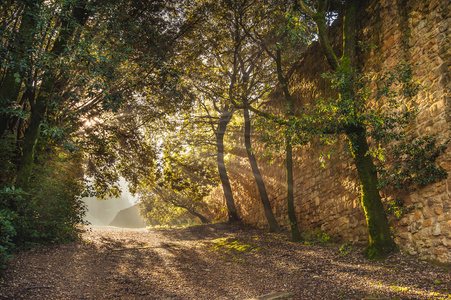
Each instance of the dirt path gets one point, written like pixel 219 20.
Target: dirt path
pixel 198 263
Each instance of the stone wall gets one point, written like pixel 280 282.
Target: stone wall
pixel 328 198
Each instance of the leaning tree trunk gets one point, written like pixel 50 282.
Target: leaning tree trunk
pixel 380 240
pixel 272 222
pixel 202 218
pixel 227 188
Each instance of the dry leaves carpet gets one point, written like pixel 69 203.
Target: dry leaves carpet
pixel 218 261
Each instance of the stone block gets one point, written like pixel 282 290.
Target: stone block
pixel 424 234
pixel 427 223
pixel 407 236
pixel 437 108
pixel 444 259
pixel 441 250
pixel 430 243
pixel 443 26
pixel 446 242
pixel 418 243
pixel 428 212
pixel 438 210
pixel 436 229
pixel 418 215
pixel 316 201
pixel 403 222
pixel 444 217
pixel 342 221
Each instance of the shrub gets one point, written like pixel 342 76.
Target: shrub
pixel 7 232
pixel 316 237
pixel 50 211
pixel 56 207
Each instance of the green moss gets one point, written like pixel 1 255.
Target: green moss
pixel 231 245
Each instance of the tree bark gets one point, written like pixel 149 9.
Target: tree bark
pixel 380 240
pixel 29 145
pixel 224 119
pixel 202 218
pixel 295 233
pixel 272 222
pixel 192 211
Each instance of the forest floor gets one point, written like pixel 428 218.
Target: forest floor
pixel 218 261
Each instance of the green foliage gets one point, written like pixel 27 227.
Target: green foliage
pixel 346 248
pixel 59 208
pixel 49 212
pixel 397 208
pixel 412 162
pixel 393 232
pixel 7 233
pixel 232 245
pixel 22 215
pixel 7 152
pixel 383 120
pixel 401 159
pixel 155 207
pixel 43 217
pixel 316 237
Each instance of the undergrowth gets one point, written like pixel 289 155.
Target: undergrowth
pixel 318 237
pixel 232 245
pixel 48 212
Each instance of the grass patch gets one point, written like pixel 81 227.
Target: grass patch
pixel 400 289
pixel 346 248
pixel 232 245
pixel 318 237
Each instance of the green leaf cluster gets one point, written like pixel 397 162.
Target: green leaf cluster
pixel 49 212
pixel 7 233
pixel 397 208
pixel 402 159
pixel 232 245
pixel 413 162
pixel 318 237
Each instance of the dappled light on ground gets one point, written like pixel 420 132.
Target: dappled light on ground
pixel 218 261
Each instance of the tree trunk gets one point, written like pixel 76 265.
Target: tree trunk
pixel 272 222
pixel 380 240
pixel 295 233
pixel 224 119
pixel 39 105
pixel 202 218
pixel 29 144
